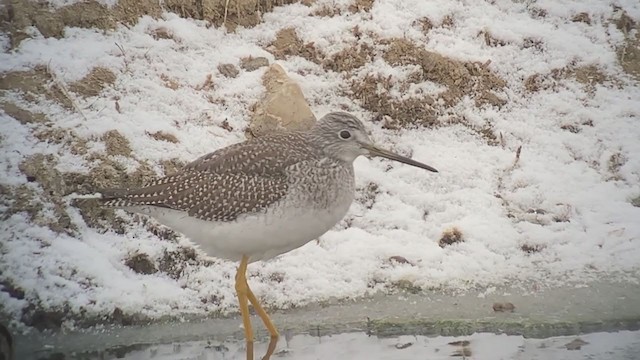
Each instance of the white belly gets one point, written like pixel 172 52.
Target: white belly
pixel 259 236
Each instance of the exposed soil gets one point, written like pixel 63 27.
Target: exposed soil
pixel 350 58
pixel 589 76
pixel 173 263
pixel 629 53
pixel 141 263
pixel 20 14
pixel 94 82
pixel 116 143
pixel 361 5
pixel 287 43
pixel 253 63
pixel 231 13
pixel 21 114
pixel 41 169
pixel 450 237
pixel 35 83
pixel 460 78
pixel 228 70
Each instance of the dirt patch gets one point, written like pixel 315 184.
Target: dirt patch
pixel 287 43
pixel 41 169
pixel 582 17
pixel 531 249
pixel 21 14
pixel 231 13
pixel 173 263
pixel 373 92
pixel 67 138
pixel 116 143
pixel 349 59
pixel 253 63
pixel 14 291
pixel 503 307
pixel 589 76
pixel 424 24
pixel 94 82
pixel 34 83
pixel 460 79
pixel 55 185
pixel 99 218
pixel 36 316
pixel 629 53
pixel 361 5
pixel 450 237
pixel 141 264
pixel 228 70
pixel 327 11
pixel 24 116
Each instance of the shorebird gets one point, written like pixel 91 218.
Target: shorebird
pixel 257 199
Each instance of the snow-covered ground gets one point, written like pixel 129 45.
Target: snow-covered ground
pixel 559 214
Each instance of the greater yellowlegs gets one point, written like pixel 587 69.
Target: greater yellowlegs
pixel 260 198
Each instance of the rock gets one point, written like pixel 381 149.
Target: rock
pixel 228 70
pixel 576 344
pixel 283 107
pixel 251 63
pixel 503 307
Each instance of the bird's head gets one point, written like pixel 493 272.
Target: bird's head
pixel 343 136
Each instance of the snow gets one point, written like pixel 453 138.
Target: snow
pixel 563 173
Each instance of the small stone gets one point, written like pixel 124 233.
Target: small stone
pixel 575 344
pixel 283 107
pixel 399 259
pixel 503 307
pixel 582 17
pixel 228 70
pixel 251 63
pixel 403 346
pixel 451 236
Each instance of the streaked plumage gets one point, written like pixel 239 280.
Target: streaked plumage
pixel 260 198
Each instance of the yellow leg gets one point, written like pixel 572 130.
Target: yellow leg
pixel 267 323
pixel 242 290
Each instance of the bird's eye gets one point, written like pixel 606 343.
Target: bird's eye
pixel 344 134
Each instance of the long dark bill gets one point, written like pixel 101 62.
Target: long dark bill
pixel 376 151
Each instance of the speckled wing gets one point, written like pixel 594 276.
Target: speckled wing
pixel 242 178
